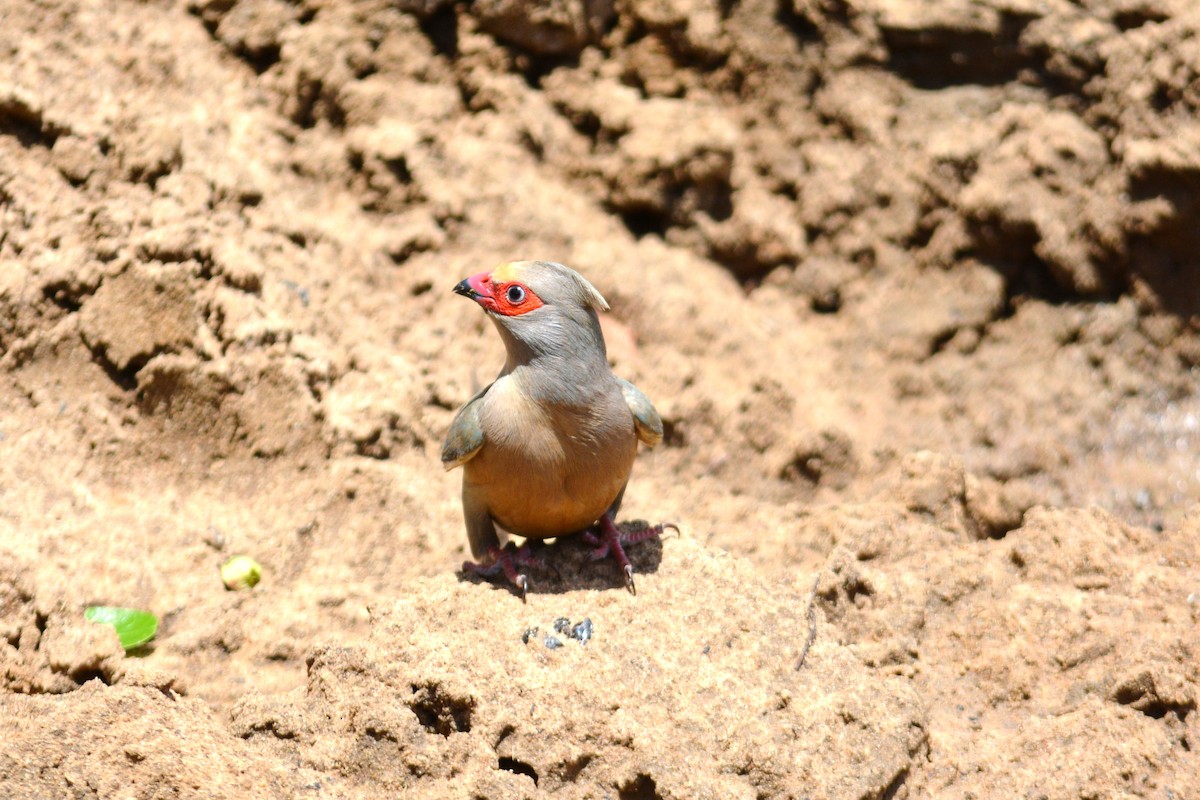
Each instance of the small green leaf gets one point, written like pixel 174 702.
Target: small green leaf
pixel 134 628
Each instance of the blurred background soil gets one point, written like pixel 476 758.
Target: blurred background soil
pixel 914 285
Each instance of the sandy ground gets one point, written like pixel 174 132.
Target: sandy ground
pixel 913 284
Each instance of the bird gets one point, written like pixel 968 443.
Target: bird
pixel 548 447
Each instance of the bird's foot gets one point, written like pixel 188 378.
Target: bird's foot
pixel 613 540
pixel 506 560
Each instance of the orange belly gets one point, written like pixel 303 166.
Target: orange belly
pixel 541 497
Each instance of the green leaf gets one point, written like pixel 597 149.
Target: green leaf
pixel 134 628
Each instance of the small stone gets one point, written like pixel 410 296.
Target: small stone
pixel 582 631
pixel 562 625
pixel 553 643
pixel 530 633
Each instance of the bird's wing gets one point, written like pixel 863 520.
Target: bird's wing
pixel 646 420
pixel 465 436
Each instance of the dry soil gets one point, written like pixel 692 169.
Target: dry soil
pixel 914 284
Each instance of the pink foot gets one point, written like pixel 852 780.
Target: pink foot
pixel 612 541
pixel 506 560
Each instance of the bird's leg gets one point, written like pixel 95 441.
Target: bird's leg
pixel 506 560
pixel 612 542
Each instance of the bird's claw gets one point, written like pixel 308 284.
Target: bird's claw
pixel 627 533
pixel 640 531
pixel 613 540
pixel 506 560
pixel 601 548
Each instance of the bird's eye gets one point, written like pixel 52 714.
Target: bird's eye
pixel 515 295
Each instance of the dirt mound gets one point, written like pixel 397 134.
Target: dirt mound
pixel 911 284
pixel 709 705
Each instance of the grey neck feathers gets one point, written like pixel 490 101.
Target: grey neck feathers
pixel 559 357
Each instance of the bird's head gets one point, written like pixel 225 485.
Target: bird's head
pixel 539 307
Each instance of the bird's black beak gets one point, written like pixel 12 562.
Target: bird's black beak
pixel 477 288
